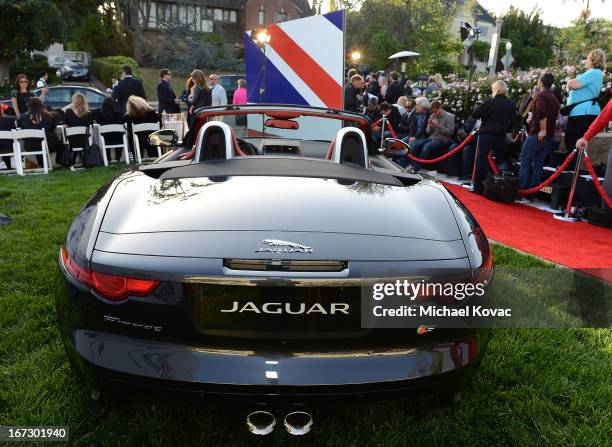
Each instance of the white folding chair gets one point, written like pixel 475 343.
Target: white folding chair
pixel 144 127
pixel 76 130
pixel 8 135
pixel 113 128
pixel 37 134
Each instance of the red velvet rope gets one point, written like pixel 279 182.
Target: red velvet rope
pixel 389 126
pixel 496 170
pixel 445 156
pixel 552 178
pixel 600 190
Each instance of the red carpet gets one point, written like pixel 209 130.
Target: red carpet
pixel 577 245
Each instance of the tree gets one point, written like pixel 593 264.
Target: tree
pixel 34 24
pixel 349 5
pixel 383 27
pixel 335 5
pixel 134 16
pixel 532 41
pixel 28 25
pixel 574 42
pixel 100 33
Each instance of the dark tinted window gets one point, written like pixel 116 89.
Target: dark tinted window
pixel 229 82
pixel 61 95
pixel 92 97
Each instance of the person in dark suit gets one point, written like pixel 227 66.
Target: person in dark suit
pixel 372 111
pixel 394 90
pixel 408 89
pixel 353 99
pixel 127 87
pixel 166 98
pixel 393 120
pixel 373 87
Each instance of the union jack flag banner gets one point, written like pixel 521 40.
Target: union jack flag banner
pixel 304 62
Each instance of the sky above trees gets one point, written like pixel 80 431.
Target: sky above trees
pixel 558 13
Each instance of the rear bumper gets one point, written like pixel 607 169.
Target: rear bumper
pixel 383 363
pixel 295 376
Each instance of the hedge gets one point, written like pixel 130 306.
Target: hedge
pixel 106 68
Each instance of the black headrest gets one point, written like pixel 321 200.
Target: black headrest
pixel 350 146
pixel 215 142
pixel 352 150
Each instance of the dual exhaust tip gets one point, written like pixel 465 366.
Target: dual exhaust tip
pixel 297 423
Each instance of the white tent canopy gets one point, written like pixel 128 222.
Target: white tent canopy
pixel 404 54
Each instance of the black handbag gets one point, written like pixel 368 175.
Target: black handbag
pixel 64 156
pixel 501 188
pixel 566 110
pixel 92 156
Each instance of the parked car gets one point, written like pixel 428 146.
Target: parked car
pixel 234 268
pixel 72 70
pixel 60 96
pixel 230 84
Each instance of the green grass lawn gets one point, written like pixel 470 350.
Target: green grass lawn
pixel 548 387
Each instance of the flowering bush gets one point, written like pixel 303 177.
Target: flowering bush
pixel 454 94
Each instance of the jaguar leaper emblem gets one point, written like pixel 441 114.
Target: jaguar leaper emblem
pixel 278 246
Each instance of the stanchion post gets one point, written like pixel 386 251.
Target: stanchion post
pixel 474 166
pixel 382 133
pixel 567 216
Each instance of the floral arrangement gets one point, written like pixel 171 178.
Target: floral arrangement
pixel 454 94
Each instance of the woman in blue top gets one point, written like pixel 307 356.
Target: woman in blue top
pixel 587 88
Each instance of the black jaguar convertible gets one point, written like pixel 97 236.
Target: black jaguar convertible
pixel 235 267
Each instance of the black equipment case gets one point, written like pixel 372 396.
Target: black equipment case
pixel 598 215
pixel 501 188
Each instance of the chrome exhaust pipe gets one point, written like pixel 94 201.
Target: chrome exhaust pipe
pixel 260 422
pixel 298 423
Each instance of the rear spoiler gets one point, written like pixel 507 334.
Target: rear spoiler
pixel 272 166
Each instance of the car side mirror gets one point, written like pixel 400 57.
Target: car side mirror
pixel 395 146
pixel 164 137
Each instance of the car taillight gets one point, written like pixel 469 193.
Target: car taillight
pixel 4 106
pixel 111 287
pixel 79 273
pixel 116 288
